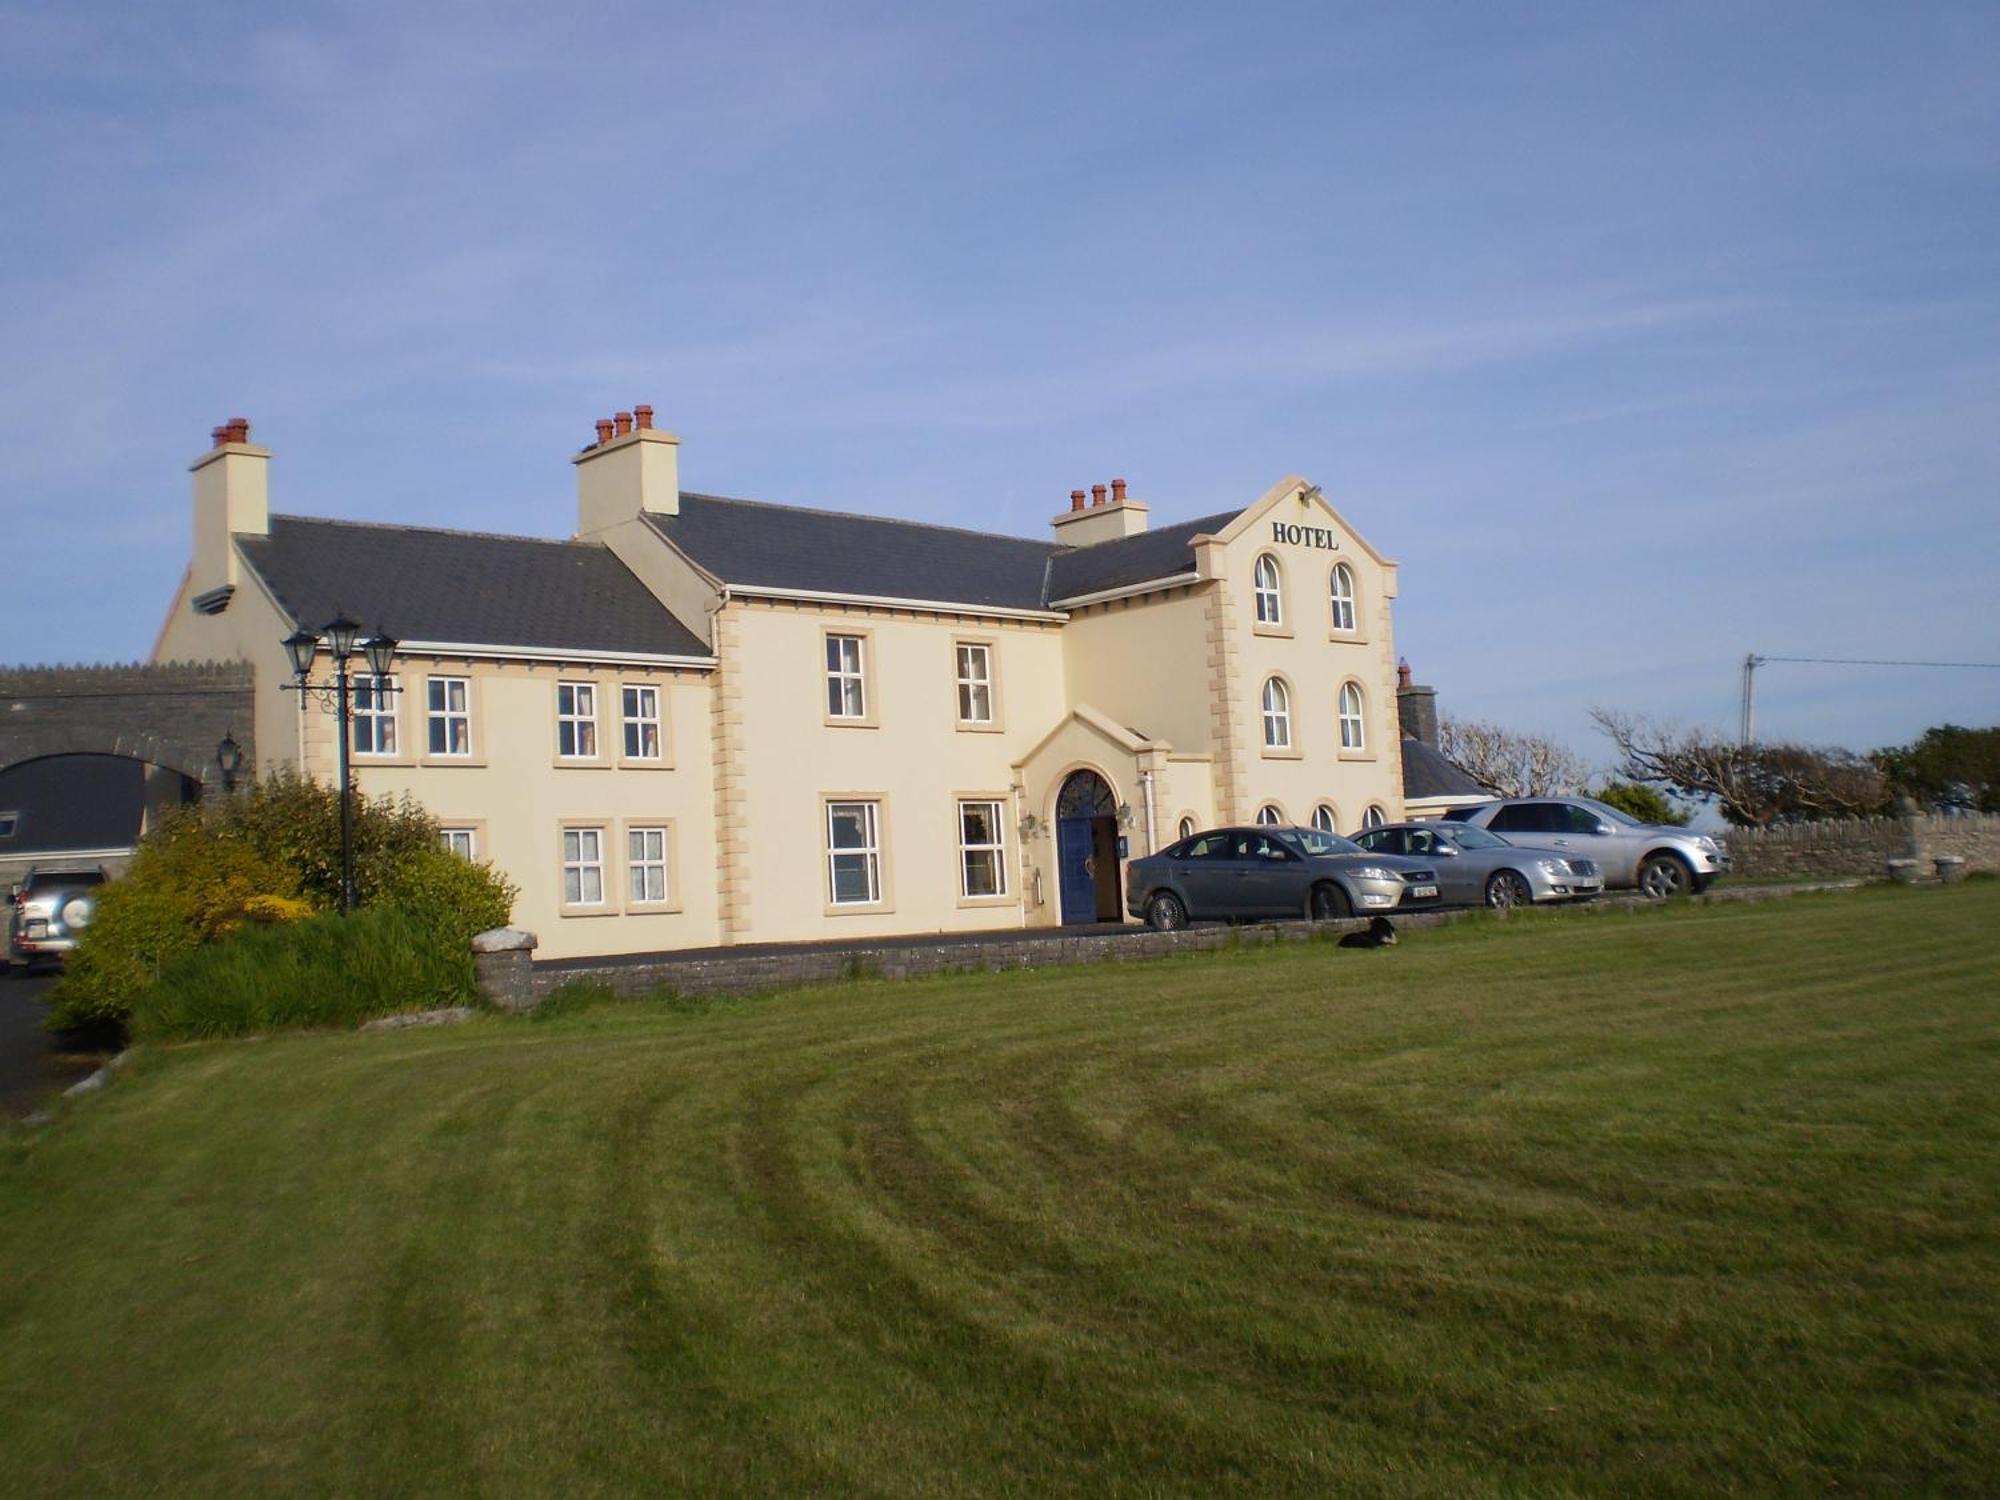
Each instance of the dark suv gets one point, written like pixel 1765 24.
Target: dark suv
pixel 49 909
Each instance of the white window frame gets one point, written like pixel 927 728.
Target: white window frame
pixel 1277 714
pixel 840 677
pixel 996 850
pixel 583 862
pixel 1341 598
pixel 1270 815
pixel 1187 829
pixel 1353 718
pixel 634 723
pixel 868 852
pixel 577 722
pixel 973 683
pixel 442 715
pixel 462 841
pixel 378 718
pixel 1375 817
pixel 648 847
pixel 1325 819
pixel 1267 584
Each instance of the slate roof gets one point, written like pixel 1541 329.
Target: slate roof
pixel 753 543
pixel 464 587
pixel 1427 773
pixel 1132 559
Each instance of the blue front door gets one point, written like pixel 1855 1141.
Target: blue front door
pixel 1078 884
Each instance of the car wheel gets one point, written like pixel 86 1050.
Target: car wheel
pixel 1663 876
pixel 1165 913
pixel 1507 889
pixel 1330 903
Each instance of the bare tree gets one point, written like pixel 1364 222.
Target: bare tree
pixel 1509 764
pixel 1752 786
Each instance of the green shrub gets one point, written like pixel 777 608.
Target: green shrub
pixel 1645 803
pixel 324 971
pixel 459 898
pixel 268 854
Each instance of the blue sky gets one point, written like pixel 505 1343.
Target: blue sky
pixel 1641 336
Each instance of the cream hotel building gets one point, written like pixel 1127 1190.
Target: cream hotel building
pixel 703 721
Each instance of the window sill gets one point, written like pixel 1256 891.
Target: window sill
pixel 987 903
pixel 860 909
pixel 581 763
pixel 833 723
pixel 645 765
pixel 968 726
pixel 587 911
pixel 1281 630
pixel 362 762
pixel 654 908
pixel 1268 753
pixel 1347 638
pixel 468 762
pixel 1358 755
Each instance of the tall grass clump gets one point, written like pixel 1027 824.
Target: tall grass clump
pixel 326 971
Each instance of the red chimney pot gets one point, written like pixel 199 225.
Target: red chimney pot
pixel 1076 499
pixel 1403 673
pixel 218 435
pixel 624 421
pixel 643 416
pixel 1097 494
pixel 237 430
pixel 1117 492
pixel 603 431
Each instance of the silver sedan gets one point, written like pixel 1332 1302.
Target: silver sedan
pixel 1475 866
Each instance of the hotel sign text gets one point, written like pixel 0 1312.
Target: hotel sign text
pixel 1326 539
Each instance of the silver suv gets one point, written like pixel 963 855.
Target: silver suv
pixel 49 910
pixel 1657 860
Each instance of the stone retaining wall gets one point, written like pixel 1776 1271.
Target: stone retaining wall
pixel 744 974
pixel 1862 846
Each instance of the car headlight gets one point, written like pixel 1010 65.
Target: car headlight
pixel 1373 872
pixel 1555 868
pixel 1705 842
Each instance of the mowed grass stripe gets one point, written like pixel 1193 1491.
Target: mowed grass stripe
pixel 1671 1202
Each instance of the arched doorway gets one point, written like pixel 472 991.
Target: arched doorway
pixel 1087 850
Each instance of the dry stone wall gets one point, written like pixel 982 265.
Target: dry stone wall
pixel 1862 846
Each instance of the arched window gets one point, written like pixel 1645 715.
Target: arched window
pixel 1342 588
pixel 1353 728
pixel 1277 715
pixel 1270 600
pixel 1187 828
pixel 1270 815
pixel 1324 819
pixel 1374 817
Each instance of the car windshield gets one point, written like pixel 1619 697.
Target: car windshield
pixel 1615 814
pixel 1316 843
pixel 1470 837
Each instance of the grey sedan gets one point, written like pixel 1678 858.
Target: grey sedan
pixel 1476 866
pixel 1272 872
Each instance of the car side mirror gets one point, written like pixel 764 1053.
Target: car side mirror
pixel 1442 851
pixel 1606 829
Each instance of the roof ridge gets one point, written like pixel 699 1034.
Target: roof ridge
pixel 855 515
pixel 403 526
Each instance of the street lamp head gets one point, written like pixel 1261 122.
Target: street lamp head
pixel 341 633
pixel 229 757
pixel 300 646
pixel 380 648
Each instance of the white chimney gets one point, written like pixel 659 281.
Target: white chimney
pixel 1100 520
pixel 632 467
pixel 231 498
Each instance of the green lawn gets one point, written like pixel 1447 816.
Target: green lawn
pixel 1696 1201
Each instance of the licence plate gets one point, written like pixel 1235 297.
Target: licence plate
pixel 1423 891
pixel 36 928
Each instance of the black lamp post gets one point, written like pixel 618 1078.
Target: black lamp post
pixel 341 636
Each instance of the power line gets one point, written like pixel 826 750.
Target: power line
pixel 1870 661
pixel 1747 727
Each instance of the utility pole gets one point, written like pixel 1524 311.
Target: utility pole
pixel 1747 728
pixel 1747 725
